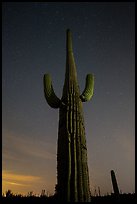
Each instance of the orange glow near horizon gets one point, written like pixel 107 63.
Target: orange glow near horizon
pixel 17 182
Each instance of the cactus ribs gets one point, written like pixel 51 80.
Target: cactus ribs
pixel 72 167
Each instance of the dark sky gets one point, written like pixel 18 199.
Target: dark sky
pixel 34 43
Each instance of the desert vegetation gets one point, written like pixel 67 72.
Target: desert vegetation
pixel 10 198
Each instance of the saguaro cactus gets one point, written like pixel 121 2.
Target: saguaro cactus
pixel 72 167
pixel 114 183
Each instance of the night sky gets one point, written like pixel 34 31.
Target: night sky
pixel 34 43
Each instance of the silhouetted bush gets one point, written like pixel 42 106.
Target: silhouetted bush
pixel 109 199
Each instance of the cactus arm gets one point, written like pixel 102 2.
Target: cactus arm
pixel 89 87
pixel 50 95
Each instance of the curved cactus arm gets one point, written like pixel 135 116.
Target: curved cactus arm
pixel 89 87
pixel 50 96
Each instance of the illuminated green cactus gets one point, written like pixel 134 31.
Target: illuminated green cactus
pixel 50 96
pixel 88 91
pixel 72 167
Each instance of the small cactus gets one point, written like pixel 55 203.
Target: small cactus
pixel 114 183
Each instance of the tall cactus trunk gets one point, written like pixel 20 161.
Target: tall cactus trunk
pixel 72 167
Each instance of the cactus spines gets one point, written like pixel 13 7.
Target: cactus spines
pixel 114 183
pixel 89 87
pixel 50 96
pixel 72 167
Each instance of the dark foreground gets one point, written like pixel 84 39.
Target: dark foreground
pixel 110 199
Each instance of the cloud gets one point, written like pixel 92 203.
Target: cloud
pixel 8 176
pixel 22 159
pixel 22 147
pixel 19 182
pixel 15 184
